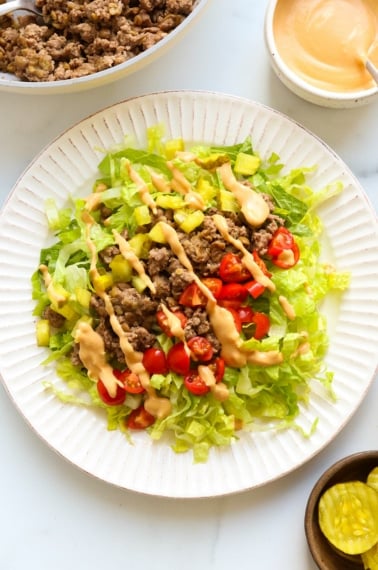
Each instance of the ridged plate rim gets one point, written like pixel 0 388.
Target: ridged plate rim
pixel 351 241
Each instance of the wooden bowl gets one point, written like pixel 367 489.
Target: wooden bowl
pixel 351 468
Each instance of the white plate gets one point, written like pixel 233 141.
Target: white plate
pixel 79 434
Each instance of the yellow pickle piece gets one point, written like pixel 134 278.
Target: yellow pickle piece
pixel 372 479
pixel 348 516
pixel 370 558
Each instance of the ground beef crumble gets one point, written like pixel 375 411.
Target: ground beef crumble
pixel 77 38
pixel 137 311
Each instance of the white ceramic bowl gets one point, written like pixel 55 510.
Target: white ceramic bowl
pixel 303 89
pixel 10 83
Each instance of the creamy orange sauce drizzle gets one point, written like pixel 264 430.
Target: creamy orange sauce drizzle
pixel 287 307
pixel 221 319
pixel 129 254
pixel 219 390
pixel 181 185
pixel 326 42
pixel 90 345
pixel 142 188
pixel 247 259
pixel 159 182
pixel 93 201
pixel 252 204
pixel 286 257
pixel 55 297
pixel 173 323
pixel 92 355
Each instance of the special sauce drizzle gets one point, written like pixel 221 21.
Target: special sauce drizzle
pixel 92 351
pixel 221 319
pixel 326 42
pixel 90 346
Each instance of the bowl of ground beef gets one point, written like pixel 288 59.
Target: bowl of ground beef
pixel 80 44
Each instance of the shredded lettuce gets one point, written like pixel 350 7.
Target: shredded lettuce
pixel 259 396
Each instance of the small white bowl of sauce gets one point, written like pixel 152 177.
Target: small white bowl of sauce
pixel 318 49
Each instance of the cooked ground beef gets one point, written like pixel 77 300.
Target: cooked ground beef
pixel 82 37
pixel 137 311
pixel 55 319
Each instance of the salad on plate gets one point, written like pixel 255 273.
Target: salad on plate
pixel 182 294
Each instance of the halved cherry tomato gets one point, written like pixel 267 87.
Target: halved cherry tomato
pixel 116 400
pixel 155 361
pixel 229 303
pixel 130 381
pixel 201 348
pixel 283 249
pixel 281 239
pixel 254 288
pixel 140 419
pixel 262 322
pixel 195 384
pixel 162 321
pixel 178 359
pixel 232 269
pixel 214 284
pixel 217 367
pixel 287 258
pixel 233 292
pixel 246 314
pixel 192 296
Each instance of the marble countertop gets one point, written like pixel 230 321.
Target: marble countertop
pixel 53 516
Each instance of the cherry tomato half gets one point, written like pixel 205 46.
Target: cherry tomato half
pixel 232 269
pixel 130 381
pixel 233 292
pixel 178 359
pixel 201 348
pixel 246 314
pixel 195 384
pixel 287 258
pixel 214 284
pixel 283 249
pixel 139 419
pixel 155 361
pixel 254 288
pixel 192 296
pixel 217 367
pixel 281 239
pixel 262 322
pixel 162 321
pixel 116 400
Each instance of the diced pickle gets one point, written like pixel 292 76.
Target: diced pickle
pixel 121 269
pixel 103 282
pixel 142 215
pixel 228 202
pixel 189 221
pixel 246 164
pixel 43 332
pixel 170 201
pixel 348 516
pixel 157 234
pixel 140 244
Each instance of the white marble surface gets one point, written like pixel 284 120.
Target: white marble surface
pixel 53 516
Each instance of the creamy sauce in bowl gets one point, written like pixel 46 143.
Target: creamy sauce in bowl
pixel 326 42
